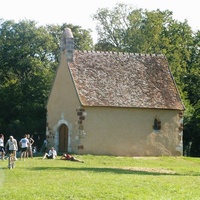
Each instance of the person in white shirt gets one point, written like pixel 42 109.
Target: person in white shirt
pixel 51 155
pixel 12 146
pixel 24 146
pixel 2 150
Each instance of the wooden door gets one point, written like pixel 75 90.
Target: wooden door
pixel 63 138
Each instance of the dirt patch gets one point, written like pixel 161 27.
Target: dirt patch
pixel 152 170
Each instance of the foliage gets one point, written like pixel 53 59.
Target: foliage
pixel 29 56
pixel 102 177
pixel 25 73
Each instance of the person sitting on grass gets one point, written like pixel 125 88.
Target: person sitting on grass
pixel 70 158
pixel 51 155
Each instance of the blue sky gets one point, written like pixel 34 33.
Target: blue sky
pixel 79 12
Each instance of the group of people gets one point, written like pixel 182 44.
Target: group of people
pixel 26 149
pixel 11 144
pixel 26 146
pixel 25 143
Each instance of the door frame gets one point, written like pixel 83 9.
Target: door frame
pixel 57 132
pixel 63 138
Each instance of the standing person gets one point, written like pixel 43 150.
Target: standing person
pixel 2 150
pixel 51 155
pixel 44 146
pixel 24 146
pixel 29 149
pixel 37 141
pixel 12 146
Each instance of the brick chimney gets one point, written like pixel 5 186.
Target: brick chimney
pixel 67 44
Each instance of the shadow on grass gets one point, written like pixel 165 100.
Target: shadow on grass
pixel 109 170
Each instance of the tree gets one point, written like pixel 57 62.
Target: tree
pixel 25 73
pixel 29 56
pixel 191 89
pixel 112 27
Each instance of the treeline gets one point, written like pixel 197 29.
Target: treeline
pixel 29 56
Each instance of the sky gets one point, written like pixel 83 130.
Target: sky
pixel 79 12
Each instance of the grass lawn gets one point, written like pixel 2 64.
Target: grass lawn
pixel 102 177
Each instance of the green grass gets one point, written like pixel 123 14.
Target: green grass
pixel 102 177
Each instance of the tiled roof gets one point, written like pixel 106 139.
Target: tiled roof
pixel 124 80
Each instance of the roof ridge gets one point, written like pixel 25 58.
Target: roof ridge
pixel 121 53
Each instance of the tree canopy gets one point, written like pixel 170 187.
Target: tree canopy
pixel 29 56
